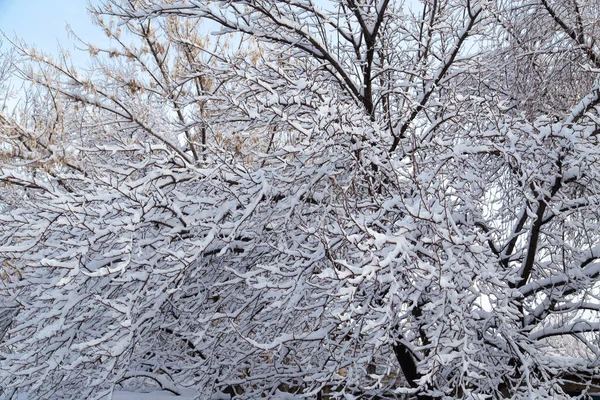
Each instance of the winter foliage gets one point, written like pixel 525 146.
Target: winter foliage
pixel 323 199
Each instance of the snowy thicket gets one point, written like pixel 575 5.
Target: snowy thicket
pixel 345 198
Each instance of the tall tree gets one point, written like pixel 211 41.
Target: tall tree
pixel 364 198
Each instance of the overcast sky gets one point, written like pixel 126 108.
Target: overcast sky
pixel 43 23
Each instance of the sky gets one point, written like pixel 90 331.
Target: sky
pixel 43 23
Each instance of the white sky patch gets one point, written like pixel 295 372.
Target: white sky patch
pixel 43 24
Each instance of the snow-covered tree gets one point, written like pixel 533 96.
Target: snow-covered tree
pixel 343 199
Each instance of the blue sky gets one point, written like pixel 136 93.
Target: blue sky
pixel 43 23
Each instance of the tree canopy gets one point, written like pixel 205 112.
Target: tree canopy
pixel 321 199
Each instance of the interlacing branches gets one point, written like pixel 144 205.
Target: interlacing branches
pixel 325 199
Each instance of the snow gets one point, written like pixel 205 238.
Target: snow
pixel 312 244
pixel 152 396
pixel 122 395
